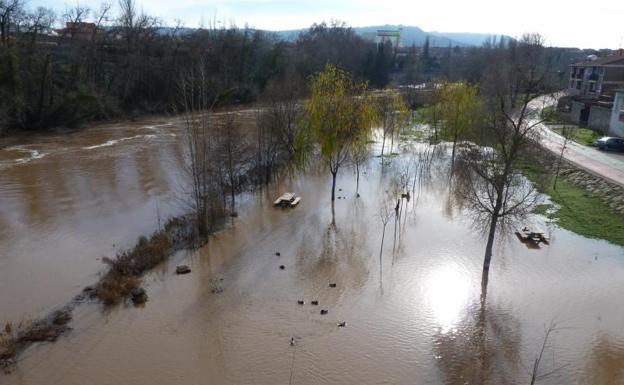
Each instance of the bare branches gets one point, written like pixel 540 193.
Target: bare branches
pixel 196 102
pixel 10 12
pixel 490 179
pixel 535 372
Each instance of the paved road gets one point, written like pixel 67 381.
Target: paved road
pixel 608 165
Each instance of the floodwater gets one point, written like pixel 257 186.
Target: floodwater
pixel 412 315
pixel 68 199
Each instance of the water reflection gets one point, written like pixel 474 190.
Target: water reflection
pixel 447 291
pixel 483 349
pixel 607 361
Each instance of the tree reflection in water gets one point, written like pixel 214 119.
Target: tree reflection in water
pixel 482 349
pixel 606 363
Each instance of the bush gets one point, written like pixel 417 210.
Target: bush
pixel 123 279
pixel 113 288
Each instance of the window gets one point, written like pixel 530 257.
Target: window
pixel 578 85
pixel 592 87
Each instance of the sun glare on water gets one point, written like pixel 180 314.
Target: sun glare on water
pixel 447 290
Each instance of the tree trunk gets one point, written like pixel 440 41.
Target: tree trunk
pixel 383 144
pixel 333 196
pixel 383 235
pixel 435 123
pixel 357 178
pixel 42 89
pixel 453 152
pixel 233 197
pixel 563 148
pixel 557 175
pixel 488 254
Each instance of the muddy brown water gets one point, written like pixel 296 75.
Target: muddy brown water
pixel 411 318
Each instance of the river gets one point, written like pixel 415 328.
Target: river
pixel 412 315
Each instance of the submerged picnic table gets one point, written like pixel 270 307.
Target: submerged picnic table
pixel 287 199
pixel 533 233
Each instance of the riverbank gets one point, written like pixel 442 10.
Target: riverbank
pixel 18 137
pixel 582 202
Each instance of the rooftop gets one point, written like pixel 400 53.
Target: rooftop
pixel 617 59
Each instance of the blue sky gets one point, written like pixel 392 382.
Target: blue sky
pixel 576 23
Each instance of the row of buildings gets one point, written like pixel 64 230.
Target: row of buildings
pixel 596 88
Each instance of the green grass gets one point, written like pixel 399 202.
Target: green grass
pixel 580 211
pixel 580 135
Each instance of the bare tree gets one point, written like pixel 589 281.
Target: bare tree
pixel 393 112
pixel 233 148
pixel 73 16
pixel 492 182
pixel 280 136
pixel 9 12
pixel 386 211
pixel 359 154
pixel 431 113
pixel 196 102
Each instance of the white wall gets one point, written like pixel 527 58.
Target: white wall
pixel 616 127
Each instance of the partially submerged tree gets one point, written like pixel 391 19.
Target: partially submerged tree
pixel 458 112
pixel 231 152
pixel 386 212
pixel 393 113
pixel 430 113
pixel 339 111
pixel 360 151
pixel 196 103
pixel 491 181
pixel 280 133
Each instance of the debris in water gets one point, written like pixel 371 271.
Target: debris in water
pixel 342 324
pixel 324 311
pixel 339 189
pixel 292 341
pixel 314 302
pixel 183 269
pixel 301 302
pixel 216 285
pixel 332 285
pixel 278 253
pixel 139 296
pixel 282 267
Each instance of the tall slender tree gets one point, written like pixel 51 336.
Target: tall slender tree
pixel 339 110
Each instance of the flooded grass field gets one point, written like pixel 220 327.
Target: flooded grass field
pixel 411 313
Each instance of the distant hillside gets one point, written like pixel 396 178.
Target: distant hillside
pixel 466 38
pixel 412 35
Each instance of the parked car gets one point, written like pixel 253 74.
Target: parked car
pixel 610 143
